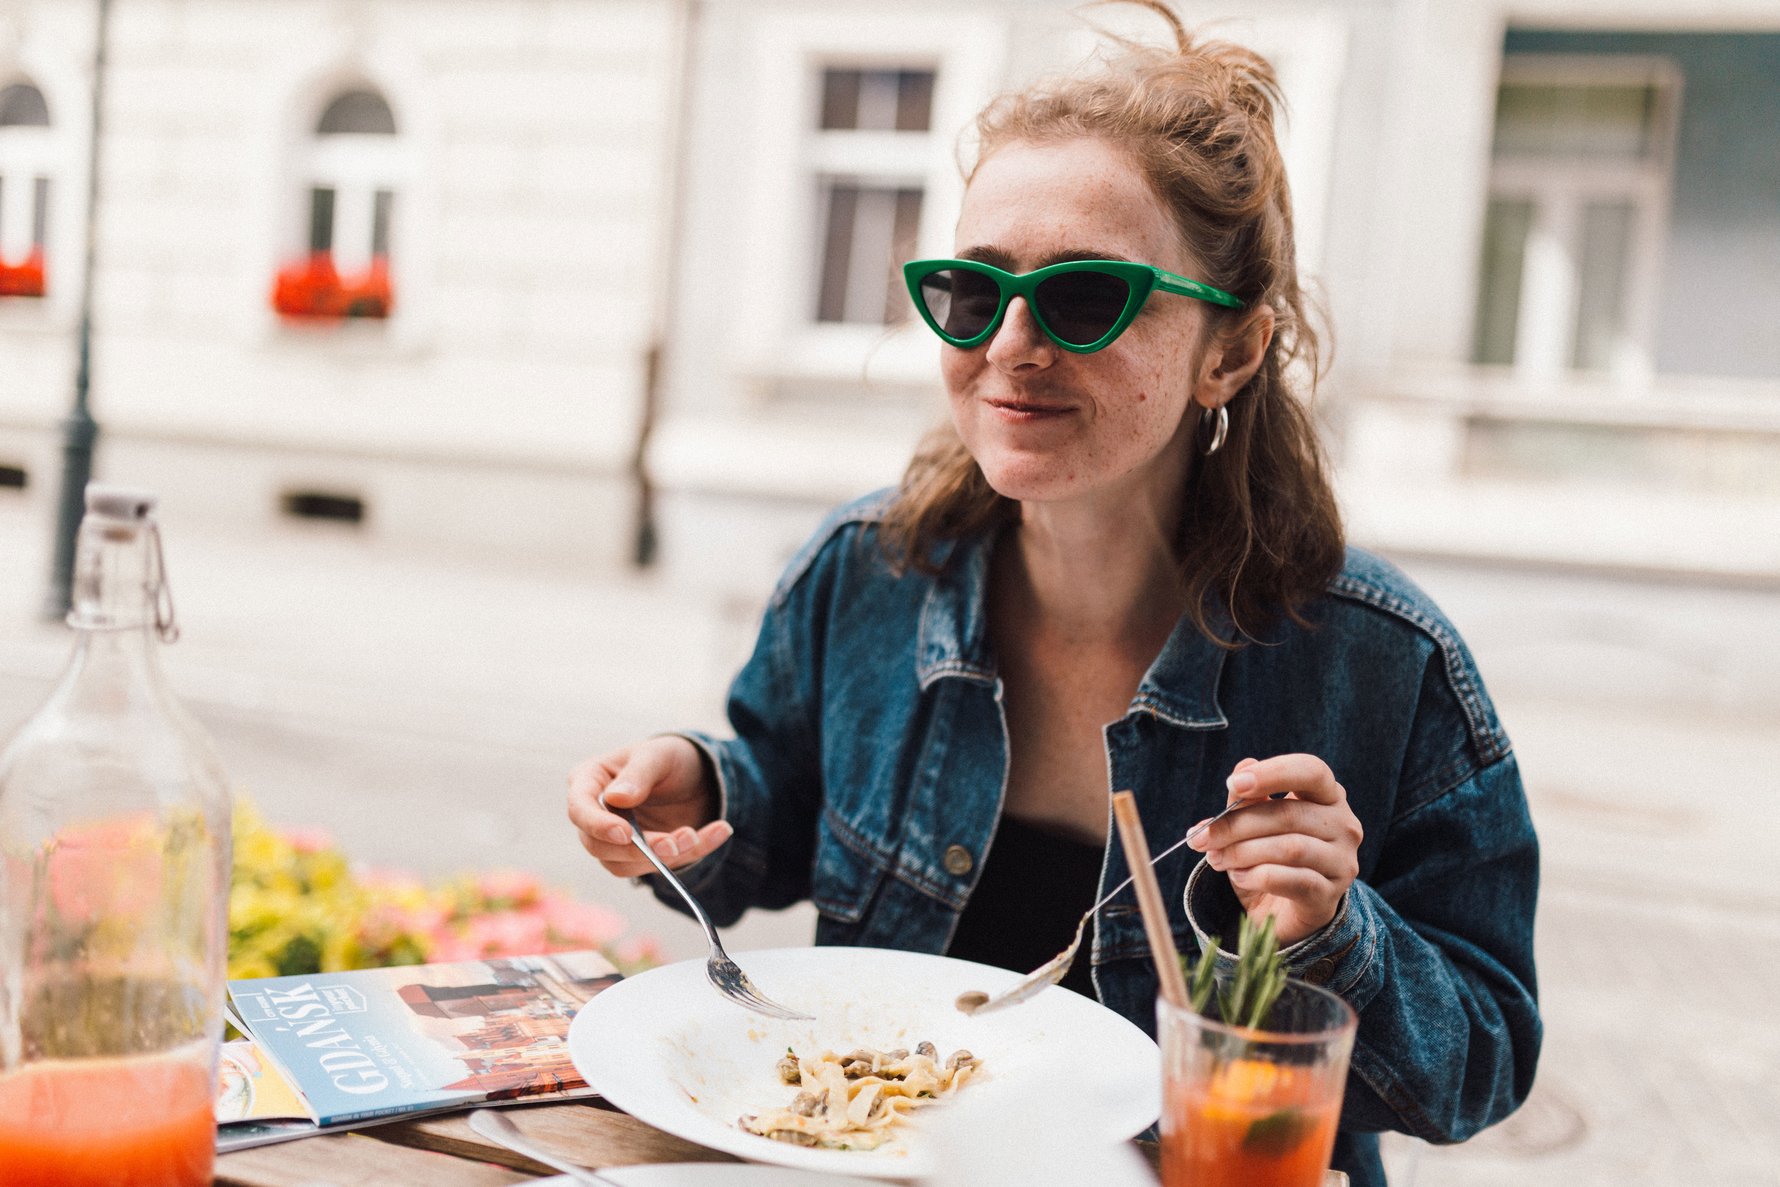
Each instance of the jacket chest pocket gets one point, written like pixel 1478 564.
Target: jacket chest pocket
pixel 845 879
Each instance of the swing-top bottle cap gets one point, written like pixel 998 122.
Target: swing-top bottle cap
pixel 130 504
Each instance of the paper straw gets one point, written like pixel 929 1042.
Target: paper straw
pixel 1149 900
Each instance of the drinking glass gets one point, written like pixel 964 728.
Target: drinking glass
pixel 1254 1108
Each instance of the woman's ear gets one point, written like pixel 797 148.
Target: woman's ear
pixel 1232 356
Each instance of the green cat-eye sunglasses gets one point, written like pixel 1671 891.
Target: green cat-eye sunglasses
pixel 1081 305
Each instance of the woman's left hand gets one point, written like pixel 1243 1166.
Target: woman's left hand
pixel 1294 857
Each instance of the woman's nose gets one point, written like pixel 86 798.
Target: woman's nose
pixel 1018 342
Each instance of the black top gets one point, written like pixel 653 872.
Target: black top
pixel 1034 886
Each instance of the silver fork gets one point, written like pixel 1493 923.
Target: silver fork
pixel 723 972
pixel 1055 969
pixel 498 1128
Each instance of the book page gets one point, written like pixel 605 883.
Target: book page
pixel 250 1088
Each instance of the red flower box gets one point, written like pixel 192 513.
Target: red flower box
pixel 23 280
pixel 312 289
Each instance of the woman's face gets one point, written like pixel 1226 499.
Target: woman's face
pixel 1046 424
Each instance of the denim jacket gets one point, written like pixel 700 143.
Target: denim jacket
pixel 869 764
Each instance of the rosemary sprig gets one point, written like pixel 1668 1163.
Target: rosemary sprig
pixel 1259 978
pixel 1199 980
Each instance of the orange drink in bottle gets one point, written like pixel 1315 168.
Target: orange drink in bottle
pixel 131 1122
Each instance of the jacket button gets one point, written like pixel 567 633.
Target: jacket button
pixel 1320 971
pixel 958 860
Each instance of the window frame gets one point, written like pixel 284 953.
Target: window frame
pixel 355 166
pixel 30 153
pixel 1547 320
pixel 279 126
pixel 867 158
pixel 779 338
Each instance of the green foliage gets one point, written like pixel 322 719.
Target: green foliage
pixel 301 955
pixel 1248 996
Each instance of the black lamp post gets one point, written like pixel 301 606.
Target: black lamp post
pixel 80 430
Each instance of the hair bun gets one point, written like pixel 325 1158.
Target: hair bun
pixel 1242 77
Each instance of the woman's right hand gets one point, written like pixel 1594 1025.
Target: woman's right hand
pixel 662 783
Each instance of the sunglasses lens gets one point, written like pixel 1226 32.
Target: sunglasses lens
pixel 961 303
pixel 1080 307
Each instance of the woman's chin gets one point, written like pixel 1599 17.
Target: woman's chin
pixel 1032 481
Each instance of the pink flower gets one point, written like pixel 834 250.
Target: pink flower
pixel 506 933
pixel 424 918
pixel 579 924
pixel 309 840
pixel 446 947
pixel 113 866
pixel 638 950
pixel 385 921
pixel 509 887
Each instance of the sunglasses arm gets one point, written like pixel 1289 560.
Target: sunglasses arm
pixel 1169 282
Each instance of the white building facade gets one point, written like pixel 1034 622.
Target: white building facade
pixel 640 261
pixel 503 168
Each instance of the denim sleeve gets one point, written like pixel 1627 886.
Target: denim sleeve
pixel 1435 953
pixel 768 777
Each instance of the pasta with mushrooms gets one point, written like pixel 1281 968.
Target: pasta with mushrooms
pixel 851 1101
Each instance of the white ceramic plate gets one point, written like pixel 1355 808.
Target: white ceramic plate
pixel 667 1048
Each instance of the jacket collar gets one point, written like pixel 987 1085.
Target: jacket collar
pixel 1180 687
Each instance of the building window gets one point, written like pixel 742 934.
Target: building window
pixel 1580 179
pixel 350 174
pixel 869 153
pixel 25 153
pixel 844 166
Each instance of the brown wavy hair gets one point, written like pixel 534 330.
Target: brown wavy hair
pixel 1260 533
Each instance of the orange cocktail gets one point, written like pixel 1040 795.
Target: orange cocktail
pixel 1251 1122
pixel 1254 1108
pixel 129 1122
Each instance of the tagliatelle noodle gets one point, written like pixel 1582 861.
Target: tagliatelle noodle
pixel 850 1102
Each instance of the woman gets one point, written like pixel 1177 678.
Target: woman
pixel 1122 567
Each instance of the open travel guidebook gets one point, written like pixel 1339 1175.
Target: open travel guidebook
pixel 339 1050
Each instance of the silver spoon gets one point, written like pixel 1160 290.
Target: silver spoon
pixel 496 1127
pixel 975 1001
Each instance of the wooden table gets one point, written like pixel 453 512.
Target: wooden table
pixel 443 1151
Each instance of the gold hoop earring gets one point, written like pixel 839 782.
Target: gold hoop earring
pixel 1214 426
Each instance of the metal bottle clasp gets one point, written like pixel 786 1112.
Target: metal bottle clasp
pixel 166 623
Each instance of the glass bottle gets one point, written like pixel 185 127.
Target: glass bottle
pixel 114 880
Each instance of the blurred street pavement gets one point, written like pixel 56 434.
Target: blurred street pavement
pixel 425 710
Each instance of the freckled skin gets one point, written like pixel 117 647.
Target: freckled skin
pixel 1047 424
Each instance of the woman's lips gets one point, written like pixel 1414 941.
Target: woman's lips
pixel 1029 411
